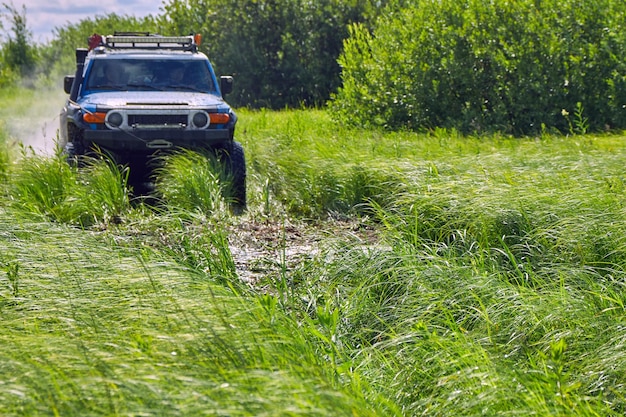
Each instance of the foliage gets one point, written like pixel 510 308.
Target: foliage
pixel 480 66
pixel 282 52
pixel 48 188
pixel 19 55
pixel 190 182
pixel 308 166
pixel 97 325
pixel 5 155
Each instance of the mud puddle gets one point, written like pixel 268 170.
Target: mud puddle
pixel 268 249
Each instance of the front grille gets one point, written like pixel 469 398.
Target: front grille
pixel 157 120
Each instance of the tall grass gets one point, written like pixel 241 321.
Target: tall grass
pixel 479 276
pixel 5 156
pixel 190 181
pixel 47 187
pixel 501 270
pixel 96 329
pixel 442 336
pixel 310 167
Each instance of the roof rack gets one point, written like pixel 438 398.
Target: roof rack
pixel 145 40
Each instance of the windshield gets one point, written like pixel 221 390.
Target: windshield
pixel 153 74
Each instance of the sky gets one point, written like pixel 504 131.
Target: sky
pixel 42 16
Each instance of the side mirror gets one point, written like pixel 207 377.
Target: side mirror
pixel 67 83
pixel 226 84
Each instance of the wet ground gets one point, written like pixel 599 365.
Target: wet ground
pixel 268 249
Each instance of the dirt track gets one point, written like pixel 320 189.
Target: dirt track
pixel 266 249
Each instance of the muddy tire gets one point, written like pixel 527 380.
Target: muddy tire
pixel 74 153
pixel 232 155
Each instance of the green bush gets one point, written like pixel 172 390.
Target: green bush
pixel 58 56
pixel 282 52
pixel 17 54
pixel 513 66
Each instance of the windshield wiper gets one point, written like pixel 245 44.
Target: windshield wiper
pixel 146 86
pixel 184 87
pixel 107 86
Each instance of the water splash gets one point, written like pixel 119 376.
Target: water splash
pixel 33 120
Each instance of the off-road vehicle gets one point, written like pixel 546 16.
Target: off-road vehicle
pixel 135 96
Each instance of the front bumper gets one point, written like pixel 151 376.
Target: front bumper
pixel 148 140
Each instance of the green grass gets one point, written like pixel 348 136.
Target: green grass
pixel 190 182
pixel 90 328
pixel 5 156
pixel 47 187
pixel 480 276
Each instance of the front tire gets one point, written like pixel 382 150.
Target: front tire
pixel 233 158
pixel 74 154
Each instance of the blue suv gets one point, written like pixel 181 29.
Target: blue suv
pixel 135 96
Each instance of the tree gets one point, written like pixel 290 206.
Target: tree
pixel 19 54
pixel 282 52
pixel 58 57
pixel 514 66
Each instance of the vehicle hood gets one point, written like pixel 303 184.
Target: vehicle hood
pixel 119 99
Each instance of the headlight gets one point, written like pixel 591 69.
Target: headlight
pixel 114 119
pixel 200 120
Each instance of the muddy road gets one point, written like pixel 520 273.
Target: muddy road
pixel 267 249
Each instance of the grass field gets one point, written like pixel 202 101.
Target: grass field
pixel 442 275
